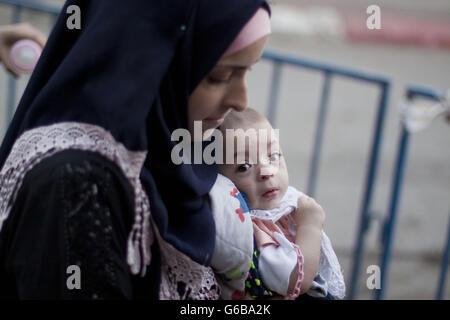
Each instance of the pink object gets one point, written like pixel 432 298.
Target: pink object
pixel 24 55
pixel 256 28
pixel 298 284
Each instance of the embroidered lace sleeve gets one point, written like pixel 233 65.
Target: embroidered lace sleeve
pixel 74 209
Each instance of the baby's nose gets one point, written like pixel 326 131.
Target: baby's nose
pixel 267 170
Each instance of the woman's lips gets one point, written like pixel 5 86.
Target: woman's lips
pixel 270 193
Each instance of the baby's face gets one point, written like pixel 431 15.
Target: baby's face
pixel 262 176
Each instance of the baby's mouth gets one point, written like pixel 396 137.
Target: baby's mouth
pixel 270 193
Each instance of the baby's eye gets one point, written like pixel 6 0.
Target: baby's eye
pixel 244 167
pixel 274 157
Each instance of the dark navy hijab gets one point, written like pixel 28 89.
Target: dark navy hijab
pixel 130 70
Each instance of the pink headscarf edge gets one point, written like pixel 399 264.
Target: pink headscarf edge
pixel 257 27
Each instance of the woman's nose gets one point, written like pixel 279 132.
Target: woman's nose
pixel 238 96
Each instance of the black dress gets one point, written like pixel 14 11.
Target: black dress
pixel 73 208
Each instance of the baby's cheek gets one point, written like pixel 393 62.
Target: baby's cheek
pixel 249 191
pixel 284 172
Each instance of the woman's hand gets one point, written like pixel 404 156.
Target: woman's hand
pixel 9 34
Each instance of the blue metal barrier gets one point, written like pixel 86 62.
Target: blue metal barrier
pixel 412 93
pixel 36 5
pixel 330 71
pixel 444 265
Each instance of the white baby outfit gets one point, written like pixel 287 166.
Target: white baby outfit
pixel 234 246
pixel 329 278
pixel 233 251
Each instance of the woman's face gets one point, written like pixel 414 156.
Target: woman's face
pixel 224 88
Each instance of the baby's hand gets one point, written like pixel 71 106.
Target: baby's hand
pixel 309 218
pixel 309 213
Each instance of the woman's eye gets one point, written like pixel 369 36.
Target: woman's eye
pixel 244 167
pixel 274 157
pixel 219 78
pixel 212 80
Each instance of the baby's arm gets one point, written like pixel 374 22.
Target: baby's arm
pixel 309 218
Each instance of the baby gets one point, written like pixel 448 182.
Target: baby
pixel 291 253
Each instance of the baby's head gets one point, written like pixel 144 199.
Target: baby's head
pixel 262 175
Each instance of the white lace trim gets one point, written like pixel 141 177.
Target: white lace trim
pixel 35 145
pixel 182 278
pixel 329 267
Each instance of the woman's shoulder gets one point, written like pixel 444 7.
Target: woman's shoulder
pixel 74 179
pixel 74 187
pixel 73 163
pixel 70 176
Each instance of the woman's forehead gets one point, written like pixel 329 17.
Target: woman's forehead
pixel 245 57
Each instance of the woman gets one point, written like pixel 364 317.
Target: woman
pixel 86 176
